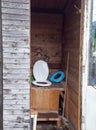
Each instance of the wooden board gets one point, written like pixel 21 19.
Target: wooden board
pixel 50 116
pixel 46 39
pixel 16 64
pixel 44 99
pixel 71 38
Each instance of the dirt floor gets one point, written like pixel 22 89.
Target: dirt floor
pixel 53 126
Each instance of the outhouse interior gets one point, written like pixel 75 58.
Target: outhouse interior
pixel 56 38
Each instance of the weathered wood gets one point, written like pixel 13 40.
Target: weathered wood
pixel 50 116
pixel 16 55
pixel 15 81
pixel 1 74
pixel 18 102
pixel 23 44
pixel 13 39
pixel 73 115
pixel 16 97
pixel 15 107
pixel 14 91
pixel 15 4
pixel 22 66
pixel 48 4
pixel 14 22
pixel 71 44
pixel 16 50
pixel 47 45
pixel 46 10
pixel 16 61
pixel 16 64
pixel 15 11
pixel 48 102
pixel 46 30
pixel 18 1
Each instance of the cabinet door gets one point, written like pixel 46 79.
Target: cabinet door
pixel 53 100
pixel 44 99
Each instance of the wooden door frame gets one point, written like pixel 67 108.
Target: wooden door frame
pixel 84 57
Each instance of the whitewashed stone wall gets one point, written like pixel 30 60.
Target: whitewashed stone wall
pixel 16 64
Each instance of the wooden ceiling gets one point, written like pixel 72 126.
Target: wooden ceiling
pixel 48 4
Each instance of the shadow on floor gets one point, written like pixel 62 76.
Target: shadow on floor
pixel 52 125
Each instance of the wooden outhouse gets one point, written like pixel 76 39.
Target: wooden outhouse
pixel 49 30
pixel 56 39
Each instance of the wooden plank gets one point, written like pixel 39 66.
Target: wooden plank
pixel 15 81
pixel 21 23
pixel 48 4
pixel 50 116
pixel 16 97
pixel 53 86
pixel 20 2
pixel 15 107
pixel 49 11
pixel 17 61
pixel 14 112
pixel 72 45
pixel 15 55
pixel 46 31
pixel 18 102
pixel 47 102
pixel 73 96
pixel 72 82
pixel 73 115
pixel 47 55
pixel 15 5
pixel 15 11
pixel 16 67
pixel 14 91
pixel 18 44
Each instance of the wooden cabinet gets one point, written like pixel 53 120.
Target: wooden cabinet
pixel 46 101
pixel 45 98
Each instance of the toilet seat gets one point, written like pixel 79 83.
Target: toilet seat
pixel 44 83
pixel 40 72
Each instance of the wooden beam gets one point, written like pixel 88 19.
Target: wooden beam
pixel 46 10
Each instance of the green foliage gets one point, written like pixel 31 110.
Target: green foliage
pixel 31 79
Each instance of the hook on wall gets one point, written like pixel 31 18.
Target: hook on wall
pixel 78 10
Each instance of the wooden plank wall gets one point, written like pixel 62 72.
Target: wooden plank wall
pixel 46 39
pixel 16 64
pixel 1 75
pixel 71 44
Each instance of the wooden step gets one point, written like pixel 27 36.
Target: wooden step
pixel 50 116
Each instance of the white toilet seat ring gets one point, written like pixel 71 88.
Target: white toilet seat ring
pixel 42 83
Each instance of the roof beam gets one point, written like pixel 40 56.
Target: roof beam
pixel 46 10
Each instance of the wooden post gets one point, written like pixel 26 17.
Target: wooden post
pixel 64 102
pixel 34 116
